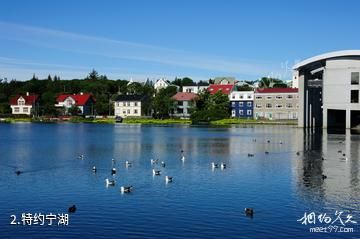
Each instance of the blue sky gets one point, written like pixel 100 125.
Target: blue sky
pixel 140 39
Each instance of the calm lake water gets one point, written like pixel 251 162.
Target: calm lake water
pixel 200 202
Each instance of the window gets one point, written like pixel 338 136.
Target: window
pixel 241 104
pixel 279 106
pixel 124 104
pixel 249 96
pixel 249 104
pixel 16 109
pixel 135 103
pixel 233 113
pixel 241 112
pixel 354 78
pixel 25 109
pixel 279 97
pixel 135 112
pixel 233 104
pixel 268 97
pixel 268 105
pixel 249 112
pixel 355 96
pixel 241 97
pixel 294 115
pixel 233 96
pixel 128 103
pixel 289 96
pixel 128 111
pixel 289 105
pixel 258 106
pixel 124 112
pixel 258 97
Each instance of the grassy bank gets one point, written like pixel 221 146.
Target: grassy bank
pixel 253 121
pixel 155 121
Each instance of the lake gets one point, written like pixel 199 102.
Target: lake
pixel 201 202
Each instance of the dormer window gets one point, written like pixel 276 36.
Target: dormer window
pixel 21 101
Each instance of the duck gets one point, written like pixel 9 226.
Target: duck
pixel 344 154
pixel 266 152
pixel 223 165
pixel 249 211
pixel 214 165
pixel 297 153
pixel 268 141
pixel 113 171
pixel 339 151
pixel 72 209
pixel 128 163
pixel 18 172
pixel 250 155
pixel 182 158
pixel 110 182
pixel 323 176
pixel 126 189
pixel 163 164
pixel 344 159
pixel 168 179
pixel 81 156
pixel 94 169
pixel 154 161
pixel 156 172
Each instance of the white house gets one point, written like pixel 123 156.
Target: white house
pixel 195 87
pixel 161 84
pixel 85 103
pixel 128 105
pixel 24 104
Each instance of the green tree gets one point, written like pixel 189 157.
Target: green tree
pixel 163 104
pixel 267 82
pixel 211 107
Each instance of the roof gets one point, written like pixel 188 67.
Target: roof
pixel 329 55
pixel 80 99
pixel 225 89
pixel 29 99
pixel 202 83
pixel 184 96
pixel 276 90
pixel 129 98
pixel 231 80
pixel 190 84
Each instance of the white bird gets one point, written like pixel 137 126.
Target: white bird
pixel 154 161
pixel 94 169
pixel 110 182
pixel 163 164
pixel 128 164
pixel 222 165
pixel 214 165
pixel 81 156
pixel 113 170
pixel 126 189
pixel 156 172
pixel 344 159
pixel 182 158
pixel 168 179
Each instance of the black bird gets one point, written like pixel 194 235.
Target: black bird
pixel 250 155
pixel 126 189
pixel 297 153
pixel 18 172
pixel 344 155
pixel 339 151
pixel 163 164
pixel 268 141
pixel 323 176
pixel 72 209
pixel 249 211
pixel 266 152
pixel 156 172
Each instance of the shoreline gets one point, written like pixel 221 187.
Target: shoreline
pixel 223 122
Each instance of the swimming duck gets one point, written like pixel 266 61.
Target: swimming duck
pixel 344 159
pixel 323 176
pixel 156 172
pixel 163 164
pixel 81 156
pixel 250 155
pixel 298 153
pixel 249 211
pixel 94 169
pixel 126 189
pixel 214 165
pixel 223 165
pixel 266 152
pixel 154 161
pixel 128 163
pixel 72 209
pixel 182 158
pixel 168 179
pixel 18 172
pixel 110 182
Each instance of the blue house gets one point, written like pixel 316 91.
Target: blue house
pixel 242 104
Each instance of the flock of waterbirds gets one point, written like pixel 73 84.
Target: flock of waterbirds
pixel 169 179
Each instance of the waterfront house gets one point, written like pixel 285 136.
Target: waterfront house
pixel 84 102
pixel 184 103
pixel 276 103
pixel 242 104
pixel 195 87
pixel 27 104
pixel 225 89
pixel 128 105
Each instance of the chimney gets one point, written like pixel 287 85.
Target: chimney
pixel 27 93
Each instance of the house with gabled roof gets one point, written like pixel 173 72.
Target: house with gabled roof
pixel 184 103
pixel 85 103
pixel 26 104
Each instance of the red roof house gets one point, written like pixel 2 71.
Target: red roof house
pixel 225 89
pixel 84 102
pixel 276 90
pixel 24 104
pixel 185 96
